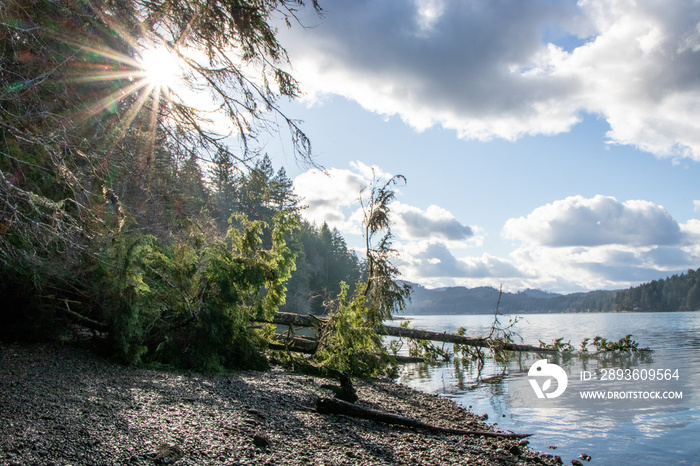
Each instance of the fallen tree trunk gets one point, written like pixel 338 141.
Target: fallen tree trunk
pixel 332 406
pixel 407 359
pixel 298 320
pixel 458 339
pixel 296 344
pixel 309 346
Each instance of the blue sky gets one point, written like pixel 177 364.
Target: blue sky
pixel 546 144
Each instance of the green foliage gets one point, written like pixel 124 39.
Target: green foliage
pixel 348 343
pixel 559 345
pixel 324 262
pixel 384 293
pixel 102 198
pixel 623 345
pixel 466 353
pixel 430 352
pixel 191 304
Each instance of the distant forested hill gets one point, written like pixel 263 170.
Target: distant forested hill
pixel 483 300
pixel 675 293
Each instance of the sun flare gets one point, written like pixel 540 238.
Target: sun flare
pixel 161 67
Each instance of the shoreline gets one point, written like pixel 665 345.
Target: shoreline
pixel 63 405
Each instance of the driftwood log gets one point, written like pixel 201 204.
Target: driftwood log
pixel 296 344
pixel 298 320
pixel 333 406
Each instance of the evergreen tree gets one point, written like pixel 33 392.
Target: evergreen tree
pixel 97 162
pixel 675 293
pixel 383 292
pixel 223 183
pixel 255 191
pixel 324 262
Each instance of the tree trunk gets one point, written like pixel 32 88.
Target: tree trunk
pixel 296 344
pixel 298 320
pixel 406 359
pixel 332 406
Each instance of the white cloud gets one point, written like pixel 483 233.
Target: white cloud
pixel 434 222
pixel 331 196
pixel 572 244
pixel 696 205
pixel 433 262
pixel 425 238
pixel 428 14
pixel 691 233
pixel 577 221
pixel 483 69
pixel 602 243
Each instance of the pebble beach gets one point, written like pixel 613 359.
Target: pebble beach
pixel 62 405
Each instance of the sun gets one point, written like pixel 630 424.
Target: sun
pixel 161 68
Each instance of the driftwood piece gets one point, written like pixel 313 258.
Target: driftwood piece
pixel 84 321
pixel 333 406
pixel 346 391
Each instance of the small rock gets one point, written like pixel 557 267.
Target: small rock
pixel 584 457
pixel 557 459
pixel 551 447
pixel 501 451
pixel 523 443
pixel 576 463
pixel 255 412
pixel 261 441
pixel 166 453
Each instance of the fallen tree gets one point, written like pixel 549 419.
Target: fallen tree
pixel 418 334
pixel 334 406
pixel 297 320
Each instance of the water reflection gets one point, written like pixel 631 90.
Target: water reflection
pixel 651 431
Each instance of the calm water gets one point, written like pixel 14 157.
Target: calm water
pixel 611 432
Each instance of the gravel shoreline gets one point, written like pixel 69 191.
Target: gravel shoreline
pixel 61 405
